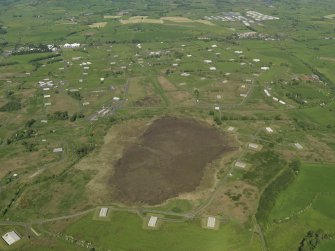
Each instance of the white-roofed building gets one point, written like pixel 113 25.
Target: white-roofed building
pixel 152 221
pixel 253 146
pixel 298 146
pixel 240 164
pixel 57 150
pixel 231 129
pixel 269 129
pixel 103 212
pixel 11 237
pixel 211 222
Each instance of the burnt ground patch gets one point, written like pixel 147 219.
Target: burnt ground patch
pixel 169 158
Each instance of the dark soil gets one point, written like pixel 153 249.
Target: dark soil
pixel 168 159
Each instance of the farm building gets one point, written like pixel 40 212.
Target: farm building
pixel 152 221
pixel 269 129
pixel 71 46
pixel 211 222
pixel 298 146
pixel 240 164
pixel 103 212
pixel 231 129
pixel 11 237
pixel 253 146
pixel 57 150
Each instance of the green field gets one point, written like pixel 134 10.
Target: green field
pixel 125 232
pixel 308 203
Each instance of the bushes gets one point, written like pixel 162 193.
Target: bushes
pixel 8 63
pixel 82 151
pixel 30 147
pixel 266 165
pixel 75 95
pixel 20 135
pixel 269 196
pixel 312 239
pixel 12 105
pixel 59 115
pixel 64 115
pixel 29 123
pixel 77 115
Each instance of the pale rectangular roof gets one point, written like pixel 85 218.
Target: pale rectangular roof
pixel 11 237
pixel 103 212
pixel 211 222
pixel 152 221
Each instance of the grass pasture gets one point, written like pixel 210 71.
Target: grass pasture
pixel 309 204
pixel 125 232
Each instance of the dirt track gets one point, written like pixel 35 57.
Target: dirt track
pixel 168 159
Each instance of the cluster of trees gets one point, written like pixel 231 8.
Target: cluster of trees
pixel 6 208
pixel 58 115
pixel 25 133
pixel 2 30
pixel 269 196
pixel 8 63
pixel 30 147
pixel 20 135
pixel 12 105
pixel 312 239
pixel 44 58
pixel 83 150
pixel 29 123
pixel 305 125
pixel 75 94
pixel 77 115
pixel 64 115
pixel 219 119
pixel 296 97
pixel 31 49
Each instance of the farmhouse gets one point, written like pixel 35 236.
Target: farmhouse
pixel 103 212
pixel 152 221
pixel 11 237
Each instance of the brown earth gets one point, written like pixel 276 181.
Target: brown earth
pixel 166 84
pixel 148 101
pixel 168 159
pixel 237 200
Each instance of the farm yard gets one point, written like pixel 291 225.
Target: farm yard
pixel 166 125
